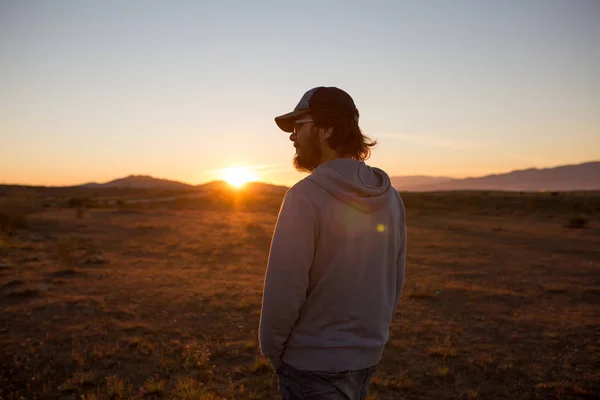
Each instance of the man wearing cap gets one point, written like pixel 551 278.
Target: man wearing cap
pixel 337 258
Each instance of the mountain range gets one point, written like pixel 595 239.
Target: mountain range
pixel 585 176
pixel 149 182
pixel 140 182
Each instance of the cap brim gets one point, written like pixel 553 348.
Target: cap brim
pixel 285 122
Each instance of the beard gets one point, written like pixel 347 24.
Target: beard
pixel 308 156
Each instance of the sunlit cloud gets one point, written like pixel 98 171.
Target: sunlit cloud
pixel 432 141
pixel 276 170
pixel 271 168
pixel 266 166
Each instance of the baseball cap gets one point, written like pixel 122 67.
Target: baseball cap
pixel 325 99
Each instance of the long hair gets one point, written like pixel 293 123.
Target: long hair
pixel 346 139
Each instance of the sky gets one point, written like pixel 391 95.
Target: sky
pixel 99 90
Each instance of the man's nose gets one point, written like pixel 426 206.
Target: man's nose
pixel 293 136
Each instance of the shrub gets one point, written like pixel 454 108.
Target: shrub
pixel 77 202
pixel 577 222
pixel 66 249
pixel 14 212
pixel 80 212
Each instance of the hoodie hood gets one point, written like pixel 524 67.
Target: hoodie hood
pixel 353 182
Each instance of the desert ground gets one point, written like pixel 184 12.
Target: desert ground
pixel 501 301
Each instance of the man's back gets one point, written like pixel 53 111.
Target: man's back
pixel 336 264
pixel 337 257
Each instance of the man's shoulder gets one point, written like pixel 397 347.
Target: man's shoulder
pixel 303 187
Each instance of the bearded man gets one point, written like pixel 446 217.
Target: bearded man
pixel 337 258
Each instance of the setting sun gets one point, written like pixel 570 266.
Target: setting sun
pixel 238 176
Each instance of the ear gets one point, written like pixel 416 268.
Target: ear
pixel 325 133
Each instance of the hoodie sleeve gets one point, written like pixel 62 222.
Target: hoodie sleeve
pixel 286 280
pixel 400 265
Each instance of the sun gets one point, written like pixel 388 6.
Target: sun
pixel 238 176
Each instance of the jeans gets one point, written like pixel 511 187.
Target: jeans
pixel 297 384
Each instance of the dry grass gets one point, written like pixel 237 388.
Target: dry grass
pixel 66 249
pixel 577 222
pixel 444 349
pixel 164 303
pixel 14 212
pixel 153 387
pixel 443 371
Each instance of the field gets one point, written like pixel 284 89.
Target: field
pixel 501 301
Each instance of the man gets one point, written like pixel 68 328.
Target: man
pixel 336 263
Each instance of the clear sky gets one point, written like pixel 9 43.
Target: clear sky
pixel 97 90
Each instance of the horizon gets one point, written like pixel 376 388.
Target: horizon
pixel 224 179
pixel 94 91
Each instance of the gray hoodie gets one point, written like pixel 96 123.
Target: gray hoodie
pixel 335 270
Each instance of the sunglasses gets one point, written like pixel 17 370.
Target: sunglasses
pixel 298 124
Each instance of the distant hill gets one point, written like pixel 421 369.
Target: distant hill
pixel 148 182
pixel 417 180
pixel 140 182
pixel 265 187
pixel 248 187
pixel 584 176
pixel 214 185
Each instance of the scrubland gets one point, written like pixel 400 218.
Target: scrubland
pixel 162 300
